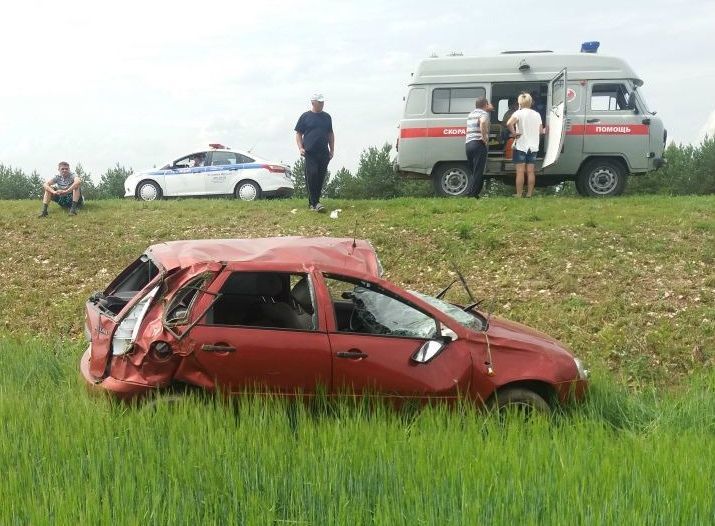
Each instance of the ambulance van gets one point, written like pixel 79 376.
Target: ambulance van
pixel 599 128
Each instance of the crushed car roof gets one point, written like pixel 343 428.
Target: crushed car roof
pixel 357 255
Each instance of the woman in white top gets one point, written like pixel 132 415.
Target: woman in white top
pixel 526 126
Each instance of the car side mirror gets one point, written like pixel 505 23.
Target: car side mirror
pixel 428 351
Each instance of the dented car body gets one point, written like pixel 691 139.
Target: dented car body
pixel 297 316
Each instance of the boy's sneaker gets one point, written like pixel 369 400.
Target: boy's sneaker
pixel 43 214
pixel 319 208
pixel 73 211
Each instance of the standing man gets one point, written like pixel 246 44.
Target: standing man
pixel 63 189
pixel 316 143
pixel 476 143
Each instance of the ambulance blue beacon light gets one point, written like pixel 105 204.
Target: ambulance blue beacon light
pixel 590 47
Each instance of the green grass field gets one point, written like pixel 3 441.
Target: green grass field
pixel 628 284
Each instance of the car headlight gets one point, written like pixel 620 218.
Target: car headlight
pixel 582 371
pixel 127 331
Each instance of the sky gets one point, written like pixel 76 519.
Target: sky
pixel 141 83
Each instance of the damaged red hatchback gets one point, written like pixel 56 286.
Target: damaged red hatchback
pixel 293 315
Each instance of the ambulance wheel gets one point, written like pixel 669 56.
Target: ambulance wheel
pixel 601 178
pixel 452 180
pixel 247 190
pixel 148 191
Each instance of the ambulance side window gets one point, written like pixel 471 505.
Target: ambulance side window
pixel 416 102
pixel 455 100
pixel 609 97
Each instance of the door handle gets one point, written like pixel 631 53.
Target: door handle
pixel 352 354
pixel 591 121
pixel 218 348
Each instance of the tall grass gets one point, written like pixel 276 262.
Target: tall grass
pixel 70 458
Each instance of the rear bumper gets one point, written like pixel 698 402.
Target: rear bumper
pixel 109 385
pixel 283 191
pixel 659 162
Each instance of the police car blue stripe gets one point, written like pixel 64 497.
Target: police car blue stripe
pixel 202 169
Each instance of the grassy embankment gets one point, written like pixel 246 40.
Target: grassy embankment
pixel 627 283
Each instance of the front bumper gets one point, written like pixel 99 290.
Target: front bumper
pixel 109 385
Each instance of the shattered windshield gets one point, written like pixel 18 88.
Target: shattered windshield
pixel 377 313
pixel 465 319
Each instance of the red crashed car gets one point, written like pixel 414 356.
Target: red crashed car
pixel 292 315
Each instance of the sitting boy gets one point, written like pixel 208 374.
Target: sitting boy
pixel 63 189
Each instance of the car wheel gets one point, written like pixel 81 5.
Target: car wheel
pixel 247 190
pixel 601 178
pixel 452 180
pixel 519 400
pixel 148 191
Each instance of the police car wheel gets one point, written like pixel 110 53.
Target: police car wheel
pixel 452 180
pixel 148 191
pixel 247 191
pixel 601 178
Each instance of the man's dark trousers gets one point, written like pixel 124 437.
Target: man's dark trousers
pixel 316 168
pixel 476 162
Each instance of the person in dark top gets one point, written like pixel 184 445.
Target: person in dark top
pixel 316 143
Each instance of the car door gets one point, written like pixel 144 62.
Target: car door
pixel 218 176
pixel 237 348
pixel 183 178
pixel 374 333
pixel 556 119
pixel 612 126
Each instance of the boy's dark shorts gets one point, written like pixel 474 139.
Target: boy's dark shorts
pixel 65 200
pixel 520 157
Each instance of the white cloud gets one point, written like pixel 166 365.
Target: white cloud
pixel 143 82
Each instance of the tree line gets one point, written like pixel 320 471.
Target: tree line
pixel 690 170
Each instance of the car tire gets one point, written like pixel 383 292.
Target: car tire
pixel 148 191
pixel 452 180
pixel 601 178
pixel 520 400
pixel 247 190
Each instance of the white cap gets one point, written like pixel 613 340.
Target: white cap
pixel 318 97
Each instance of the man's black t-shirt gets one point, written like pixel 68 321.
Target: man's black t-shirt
pixel 315 128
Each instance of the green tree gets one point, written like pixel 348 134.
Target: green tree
pixel 111 183
pixel 689 170
pixel 338 183
pixel 89 189
pixel 35 185
pixel 298 178
pixel 375 177
pixel 14 184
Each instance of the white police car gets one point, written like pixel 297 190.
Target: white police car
pixel 217 171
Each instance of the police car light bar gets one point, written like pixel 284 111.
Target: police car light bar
pixel 274 168
pixel 217 146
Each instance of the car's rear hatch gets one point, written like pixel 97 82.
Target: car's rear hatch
pixel 105 310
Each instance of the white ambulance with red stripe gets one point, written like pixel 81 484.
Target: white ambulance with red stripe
pixel 599 127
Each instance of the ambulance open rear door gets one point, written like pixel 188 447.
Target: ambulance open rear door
pixel 555 119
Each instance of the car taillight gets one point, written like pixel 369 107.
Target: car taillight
pixel 275 168
pixel 127 330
